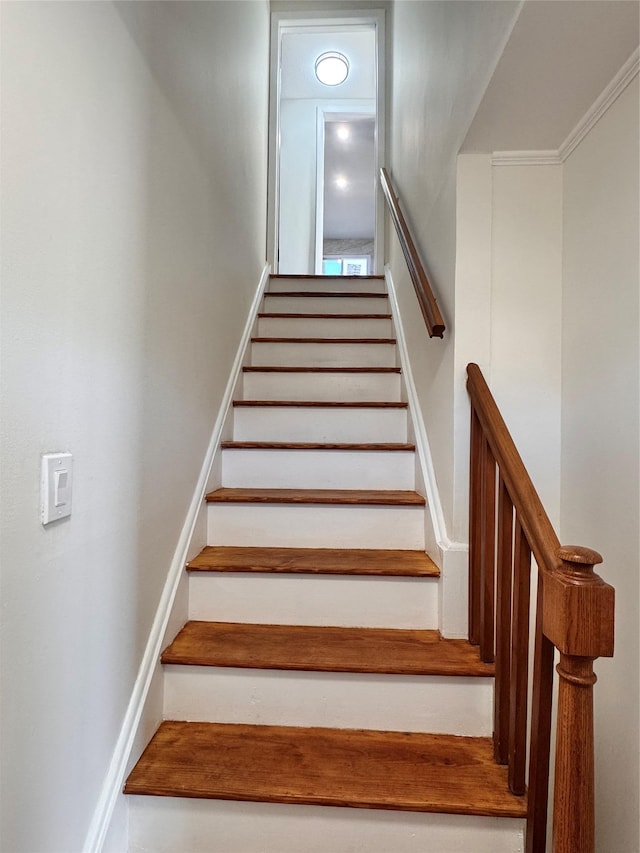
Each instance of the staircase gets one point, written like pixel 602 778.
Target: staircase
pixel 311 672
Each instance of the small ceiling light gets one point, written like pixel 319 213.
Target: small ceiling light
pixel 332 68
pixel 341 182
pixel 343 132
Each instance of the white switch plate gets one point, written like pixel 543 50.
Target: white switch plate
pixel 56 488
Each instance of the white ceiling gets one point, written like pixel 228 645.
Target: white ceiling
pixel 559 58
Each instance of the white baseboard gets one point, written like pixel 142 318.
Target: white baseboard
pixel 114 779
pixel 453 555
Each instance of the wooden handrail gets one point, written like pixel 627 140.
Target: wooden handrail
pixel 574 614
pixel 426 299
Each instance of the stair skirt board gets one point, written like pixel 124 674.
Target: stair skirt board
pixel 319 423
pixel 318 469
pixel 354 387
pixel 167 825
pixel 316 526
pixel 293 599
pixel 447 705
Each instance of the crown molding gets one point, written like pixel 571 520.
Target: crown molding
pixel 526 158
pixel 599 107
pixel 595 112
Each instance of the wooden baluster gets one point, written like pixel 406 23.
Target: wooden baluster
pixel 487 551
pixel 503 625
pixel 578 619
pixel 519 662
pixel 539 753
pixel 474 529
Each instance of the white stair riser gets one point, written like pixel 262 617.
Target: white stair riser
pixel 347 387
pixel 170 824
pixel 323 327
pixel 274 599
pixel 324 284
pixel 316 526
pixel 325 305
pixel 318 469
pixel 285 423
pixel 284 354
pixel 457 706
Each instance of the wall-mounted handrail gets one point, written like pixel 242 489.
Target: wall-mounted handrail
pixel 426 299
pixel 574 613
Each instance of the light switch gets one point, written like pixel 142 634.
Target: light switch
pixel 57 481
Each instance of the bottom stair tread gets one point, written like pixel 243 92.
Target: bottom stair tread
pixel 333 767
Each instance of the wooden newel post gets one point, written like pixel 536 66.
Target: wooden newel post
pixel 578 619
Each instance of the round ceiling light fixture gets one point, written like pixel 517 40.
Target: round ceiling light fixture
pixel 332 68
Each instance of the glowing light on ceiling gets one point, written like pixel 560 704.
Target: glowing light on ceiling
pixel 343 132
pixel 332 68
pixel 341 182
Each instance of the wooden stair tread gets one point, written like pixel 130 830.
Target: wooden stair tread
pixel 298 316
pixel 330 561
pixel 324 649
pixel 328 294
pixel 385 341
pixel 336 277
pixel 310 445
pixel 288 369
pixel 333 767
pixel 359 497
pixel 335 404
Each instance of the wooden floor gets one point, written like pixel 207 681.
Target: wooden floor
pixel 333 767
pixel 360 497
pixel 288 369
pixel 322 404
pixel 313 276
pixel 324 649
pixel 329 294
pixel 281 340
pixel 315 316
pixel 310 445
pixel 314 561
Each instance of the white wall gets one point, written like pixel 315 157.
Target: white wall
pixel 443 55
pixel 600 455
pixel 526 303
pixel 508 313
pixel 473 283
pixel 134 236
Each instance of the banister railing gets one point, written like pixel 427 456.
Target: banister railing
pixel 426 299
pixel 574 613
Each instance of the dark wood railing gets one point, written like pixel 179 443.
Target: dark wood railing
pixel 574 613
pixel 426 299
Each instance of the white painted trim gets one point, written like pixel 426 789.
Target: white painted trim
pixel 308 21
pixel 114 779
pixel 422 442
pixel 526 158
pixel 329 110
pixel 603 102
pixel 319 249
